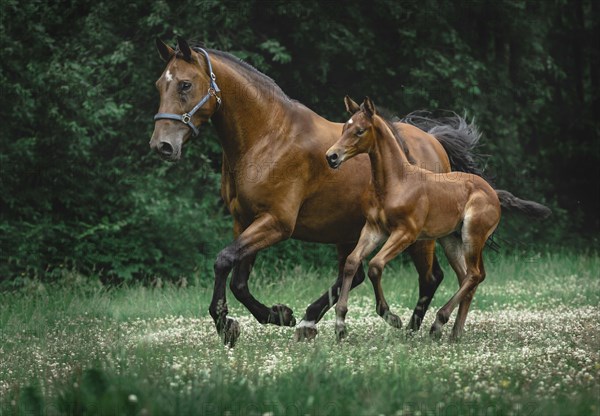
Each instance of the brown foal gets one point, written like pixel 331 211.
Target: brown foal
pixel 406 203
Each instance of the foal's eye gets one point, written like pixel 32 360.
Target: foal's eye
pixel 185 86
pixel 360 132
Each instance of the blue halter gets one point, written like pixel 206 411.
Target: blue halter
pixel 186 118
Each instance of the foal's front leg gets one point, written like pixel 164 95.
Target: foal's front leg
pixel 370 237
pixel 399 240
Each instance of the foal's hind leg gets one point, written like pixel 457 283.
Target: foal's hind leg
pixel 464 256
pixel 430 277
pixel 463 309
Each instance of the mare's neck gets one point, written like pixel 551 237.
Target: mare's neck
pixel 388 161
pixel 252 107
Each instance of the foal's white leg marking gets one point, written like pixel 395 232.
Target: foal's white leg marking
pixel 169 76
pixel 306 324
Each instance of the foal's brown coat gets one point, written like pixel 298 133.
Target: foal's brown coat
pixel 406 204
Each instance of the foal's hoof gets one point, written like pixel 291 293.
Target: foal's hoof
pixel 435 332
pixel 340 332
pixel 231 332
pixel 281 315
pixel 393 320
pixel 305 333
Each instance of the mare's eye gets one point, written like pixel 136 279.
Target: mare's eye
pixel 360 132
pixel 185 86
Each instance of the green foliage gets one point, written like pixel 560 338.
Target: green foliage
pixel 79 190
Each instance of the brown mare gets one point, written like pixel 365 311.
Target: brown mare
pixel 275 180
pixel 405 204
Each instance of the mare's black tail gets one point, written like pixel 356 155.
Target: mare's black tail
pixel 460 139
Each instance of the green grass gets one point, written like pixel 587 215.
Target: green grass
pixel 531 348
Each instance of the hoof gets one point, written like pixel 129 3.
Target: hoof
pixel 340 332
pixel 393 320
pixel 435 332
pixel 455 337
pixel 282 315
pixel 415 323
pixel 231 332
pixel 305 334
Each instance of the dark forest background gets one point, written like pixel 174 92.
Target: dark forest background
pixel 81 193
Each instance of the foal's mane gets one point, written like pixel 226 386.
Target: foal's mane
pixel 385 116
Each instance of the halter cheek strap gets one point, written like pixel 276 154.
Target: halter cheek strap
pixel 186 118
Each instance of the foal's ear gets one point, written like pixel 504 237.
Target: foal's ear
pixel 184 48
pixel 164 50
pixel 369 107
pixel 351 105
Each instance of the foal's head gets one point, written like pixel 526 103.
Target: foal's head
pixel 183 83
pixel 358 134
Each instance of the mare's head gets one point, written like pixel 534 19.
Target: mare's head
pixel 358 134
pixel 188 98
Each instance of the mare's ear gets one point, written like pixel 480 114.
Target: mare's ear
pixel 184 48
pixel 369 107
pixel 164 50
pixel 351 105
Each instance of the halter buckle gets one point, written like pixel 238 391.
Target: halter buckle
pixel 186 118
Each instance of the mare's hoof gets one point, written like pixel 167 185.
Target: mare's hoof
pixel 414 324
pixel 340 332
pixel 282 315
pixel 305 333
pixel 393 320
pixel 231 332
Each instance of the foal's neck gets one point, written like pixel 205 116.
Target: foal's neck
pixel 389 163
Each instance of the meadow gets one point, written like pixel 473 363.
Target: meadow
pixel 531 347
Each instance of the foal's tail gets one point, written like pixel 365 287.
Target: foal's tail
pixel 460 139
pixel 530 208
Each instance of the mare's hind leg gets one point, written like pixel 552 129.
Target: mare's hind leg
pixel 397 242
pixel 464 259
pixel 307 328
pixel 463 309
pixel 430 277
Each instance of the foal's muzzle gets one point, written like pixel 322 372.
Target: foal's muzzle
pixel 333 160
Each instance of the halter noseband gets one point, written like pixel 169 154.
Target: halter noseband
pixel 186 118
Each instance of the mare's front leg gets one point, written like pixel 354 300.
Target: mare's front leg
pixel 399 240
pixel 307 328
pixel 370 237
pixel 265 231
pixel 279 314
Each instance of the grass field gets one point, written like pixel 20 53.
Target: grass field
pixel 531 348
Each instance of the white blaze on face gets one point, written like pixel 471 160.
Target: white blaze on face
pixel 169 76
pixel 350 121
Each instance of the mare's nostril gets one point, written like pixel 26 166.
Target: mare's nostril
pixel 165 148
pixel 332 157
